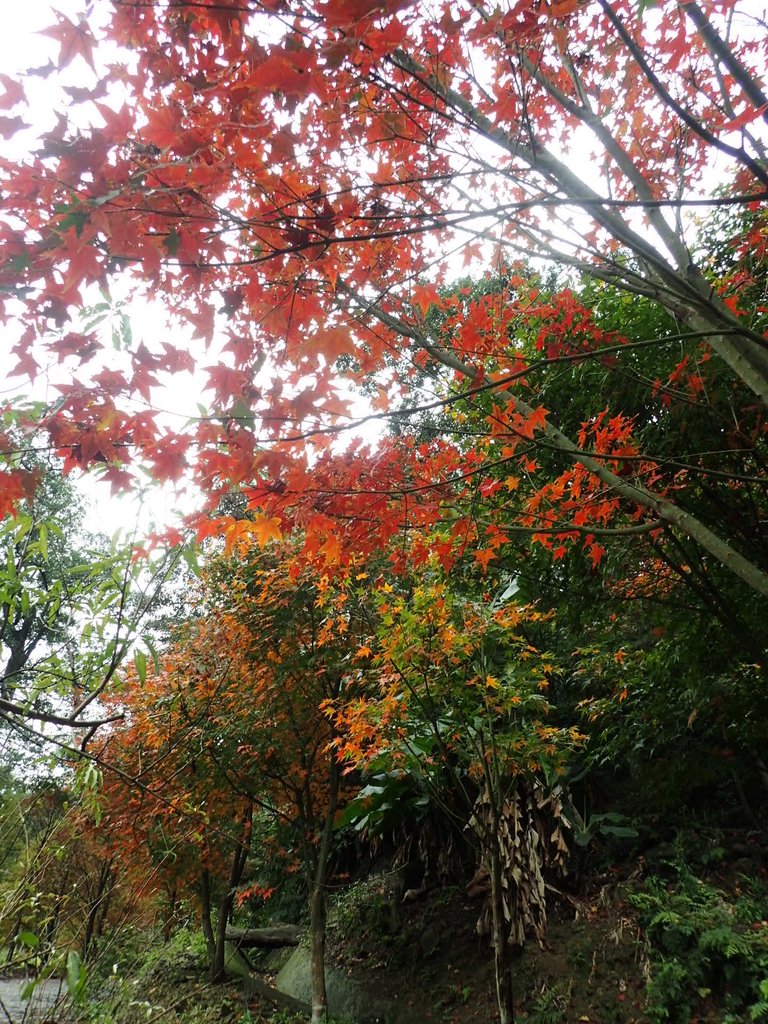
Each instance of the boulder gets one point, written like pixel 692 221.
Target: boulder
pixel 347 998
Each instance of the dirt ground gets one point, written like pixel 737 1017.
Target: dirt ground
pixel 432 962
pixel 427 958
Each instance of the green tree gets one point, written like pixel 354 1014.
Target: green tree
pixel 72 605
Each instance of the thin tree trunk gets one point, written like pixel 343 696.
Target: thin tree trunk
pixel 104 909
pixel 13 941
pixel 205 913
pixel 99 908
pixel 317 907
pixel 502 960
pixel 169 915
pixel 762 771
pixel 218 963
pixel 48 940
pixel 317 924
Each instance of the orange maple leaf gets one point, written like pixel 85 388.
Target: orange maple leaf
pixel 562 8
pixel 424 296
pixel 331 549
pixel 265 529
pixel 484 556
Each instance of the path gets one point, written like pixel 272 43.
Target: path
pixel 34 1011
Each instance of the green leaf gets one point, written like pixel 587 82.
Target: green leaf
pixel 29 939
pixel 42 536
pixel 28 989
pixel 76 977
pixel 189 554
pixel 152 652
pixel 140 661
pixel 126 331
pixel 618 830
pixel 172 240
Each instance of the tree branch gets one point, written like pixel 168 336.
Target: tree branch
pixel 637 493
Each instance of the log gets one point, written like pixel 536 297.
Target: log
pixel 274 937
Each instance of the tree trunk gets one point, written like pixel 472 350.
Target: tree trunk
pixel 170 913
pixel 317 906
pixel 48 938
pixel 105 905
pixel 762 771
pixel 502 960
pixel 98 908
pixel 239 858
pixel 205 913
pixel 317 922
pixel 218 962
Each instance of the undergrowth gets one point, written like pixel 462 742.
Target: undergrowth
pixel 707 947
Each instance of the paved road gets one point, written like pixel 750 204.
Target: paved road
pixel 36 1010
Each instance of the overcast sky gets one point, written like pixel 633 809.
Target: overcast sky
pixel 23 47
pixel 20 45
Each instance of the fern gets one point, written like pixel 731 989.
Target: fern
pixel 705 943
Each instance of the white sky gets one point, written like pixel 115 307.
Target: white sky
pixel 20 47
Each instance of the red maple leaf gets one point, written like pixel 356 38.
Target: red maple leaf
pixel 596 553
pixel 74 40
pixel 14 92
pixel 10 125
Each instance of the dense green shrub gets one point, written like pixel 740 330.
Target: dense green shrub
pixel 707 945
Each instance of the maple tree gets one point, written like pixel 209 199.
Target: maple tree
pixel 296 179
pixel 302 628
pixel 704 432
pixel 292 183
pixel 231 723
pixel 661 642
pixel 284 679
pixel 463 696
pixel 178 817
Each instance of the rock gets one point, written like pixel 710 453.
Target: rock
pixel 430 939
pixel 347 999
